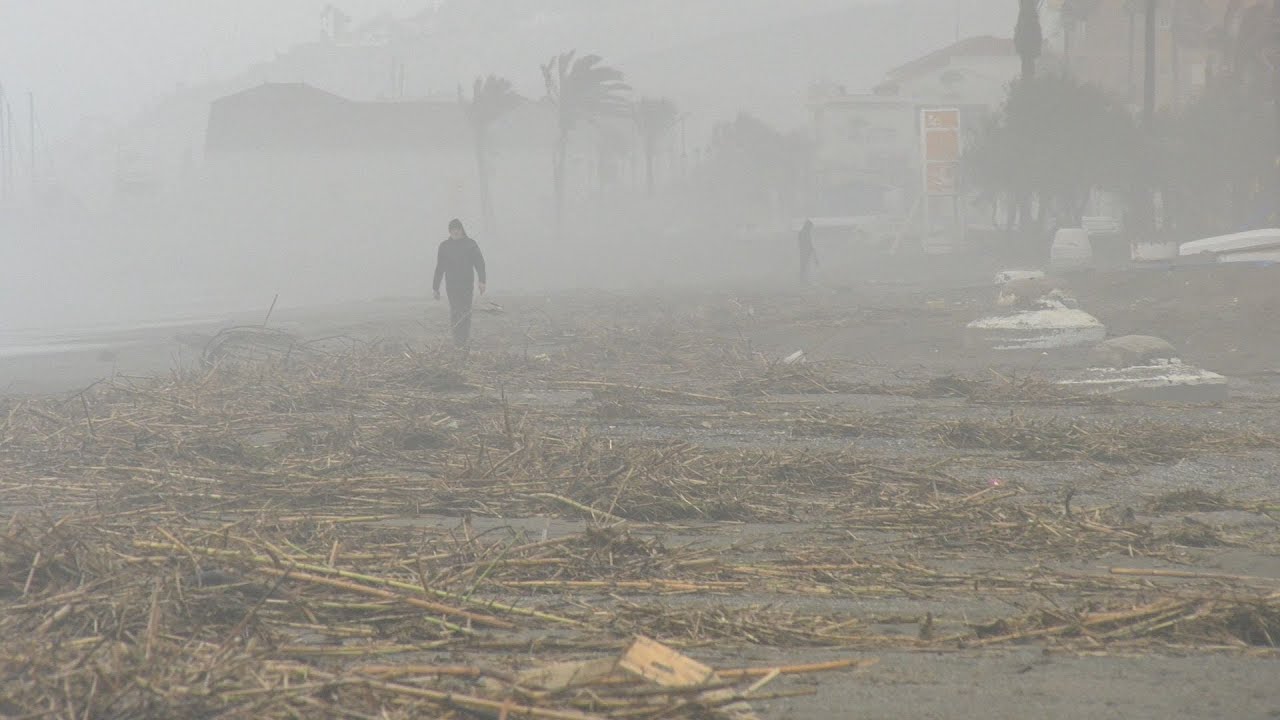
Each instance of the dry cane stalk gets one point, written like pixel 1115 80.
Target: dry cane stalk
pixel 388 595
pixel 469 702
pixel 264 560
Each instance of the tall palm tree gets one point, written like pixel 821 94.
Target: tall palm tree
pixel 1254 57
pixel 1027 36
pixel 1248 41
pixel 1028 40
pixel 1131 7
pixel 1275 82
pixel 1144 208
pixel 1248 44
pixel 1256 48
pixel 579 89
pixel 653 119
pixel 491 98
pixel 1149 66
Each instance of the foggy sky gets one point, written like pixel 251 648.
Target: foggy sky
pixel 107 58
pixel 91 59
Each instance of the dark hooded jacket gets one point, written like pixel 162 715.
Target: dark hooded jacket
pixel 458 264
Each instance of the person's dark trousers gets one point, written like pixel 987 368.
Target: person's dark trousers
pixel 460 316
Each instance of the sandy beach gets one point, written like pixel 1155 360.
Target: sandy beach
pixel 989 532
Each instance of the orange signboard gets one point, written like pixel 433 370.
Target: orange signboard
pixel 942 119
pixel 940 145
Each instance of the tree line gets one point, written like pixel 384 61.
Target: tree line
pixel 1214 163
pixel 748 159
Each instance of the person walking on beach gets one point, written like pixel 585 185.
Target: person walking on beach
pixel 459 263
pixel 808 256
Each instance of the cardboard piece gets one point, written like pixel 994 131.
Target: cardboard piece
pixel 660 664
pixel 653 662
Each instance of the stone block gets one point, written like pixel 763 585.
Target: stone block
pixel 1131 351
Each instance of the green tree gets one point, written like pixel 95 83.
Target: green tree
pixel 580 89
pixel 1220 152
pixel 1253 48
pixel 491 98
pixel 1214 160
pixel 1055 140
pixel 1028 39
pixel 751 167
pixel 654 119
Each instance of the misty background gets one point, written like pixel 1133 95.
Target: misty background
pixel 123 92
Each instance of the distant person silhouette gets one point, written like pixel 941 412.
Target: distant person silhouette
pixel 808 256
pixel 459 263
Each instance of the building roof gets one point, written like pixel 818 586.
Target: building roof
pixel 295 117
pixel 864 99
pixel 979 46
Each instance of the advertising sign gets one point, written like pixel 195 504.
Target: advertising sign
pixel 940 143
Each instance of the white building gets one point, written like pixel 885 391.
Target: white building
pixel 869 157
pixel 972 72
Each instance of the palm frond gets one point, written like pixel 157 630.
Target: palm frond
pixel 584 88
pixel 491 98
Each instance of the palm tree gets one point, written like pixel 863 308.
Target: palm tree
pixel 1256 48
pixel 1028 40
pixel 491 98
pixel 1248 45
pixel 1275 82
pixel 1247 80
pixel 1027 36
pixel 1149 66
pixel 580 89
pixel 1131 7
pixel 654 119
pixel 1072 14
pixel 1253 52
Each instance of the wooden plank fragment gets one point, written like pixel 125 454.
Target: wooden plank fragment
pixel 660 664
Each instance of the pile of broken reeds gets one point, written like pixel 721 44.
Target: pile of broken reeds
pixel 1219 620
pixel 1129 441
pixel 789 379
pixel 371 432
pixel 122 616
pixel 1002 390
pixel 249 539
pixel 141 616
